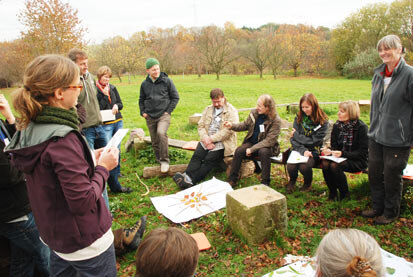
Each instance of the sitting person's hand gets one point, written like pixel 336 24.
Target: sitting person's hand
pixel 308 154
pixel 326 151
pixel 227 124
pixel 248 152
pixel 292 133
pixel 336 154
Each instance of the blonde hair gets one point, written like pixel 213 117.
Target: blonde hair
pixel 390 42
pixel 352 108
pixel 349 252
pixel 42 77
pixel 269 103
pixel 103 70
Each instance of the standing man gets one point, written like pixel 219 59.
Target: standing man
pixel 92 127
pixel 158 98
pixel 216 143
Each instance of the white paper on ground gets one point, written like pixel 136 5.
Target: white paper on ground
pixel 296 158
pixel 408 171
pixel 394 266
pixel 334 159
pixel 107 115
pixel 193 202
pixel 116 139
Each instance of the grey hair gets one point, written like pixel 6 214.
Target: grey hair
pixel 339 247
pixel 390 42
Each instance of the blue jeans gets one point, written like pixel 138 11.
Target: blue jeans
pixel 27 251
pixel 113 180
pixel 102 265
pixel 96 138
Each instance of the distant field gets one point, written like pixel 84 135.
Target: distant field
pixel 310 215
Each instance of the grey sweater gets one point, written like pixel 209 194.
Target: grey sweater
pixel 391 114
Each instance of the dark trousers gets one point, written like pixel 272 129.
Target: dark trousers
pixel 263 154
pixel 27 251
pixel 102 265
pixel 113 179
pixel 202 162
pixel 157 130
pixel 386 166
pixel 335 178
pixel 305 168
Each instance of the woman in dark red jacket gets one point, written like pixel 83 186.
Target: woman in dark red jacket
pixel 348 140
pixel 64 185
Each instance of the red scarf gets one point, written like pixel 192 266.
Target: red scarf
pixel 102 88
pixel 388 73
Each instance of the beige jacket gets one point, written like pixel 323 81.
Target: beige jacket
pixel 227 137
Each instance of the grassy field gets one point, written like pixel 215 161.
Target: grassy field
pixel 310 215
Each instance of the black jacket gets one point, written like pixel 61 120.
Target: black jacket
pixel 301 143
pixel 158 97
pixel 14 202
pixel 359 149
pixel 104 103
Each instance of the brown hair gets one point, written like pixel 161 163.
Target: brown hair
pixel 318 116
pixel 349 252
pixel 269 103
pixel 75 54
pixel 42 77
pixel 103 70
pixel 167 252
pixel 352 108
pixel 216 93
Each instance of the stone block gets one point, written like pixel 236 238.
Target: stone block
pixel 194 119
pixel 255 212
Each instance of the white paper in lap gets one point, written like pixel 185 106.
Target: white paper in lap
pixel 194 202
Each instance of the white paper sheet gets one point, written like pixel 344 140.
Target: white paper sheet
pixel 107 115
pixel 334 159
pixel 193 202
pixel 296 158
pixel 394 266
pixel 116 139
pixel 408 171
pixel 278 158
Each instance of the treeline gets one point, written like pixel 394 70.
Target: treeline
pixel 349 49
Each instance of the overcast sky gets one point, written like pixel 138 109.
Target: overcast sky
pixel 107 18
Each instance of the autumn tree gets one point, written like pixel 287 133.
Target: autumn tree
pixel 277 52
pixel 52 27
pixel 256 49
pixel 216 47
pixel 13 59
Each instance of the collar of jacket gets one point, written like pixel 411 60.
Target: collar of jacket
pixel 161 78
pixel 254 116
pixel 381 68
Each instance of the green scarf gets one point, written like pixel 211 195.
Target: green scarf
pixel 58 116
pixel 308 125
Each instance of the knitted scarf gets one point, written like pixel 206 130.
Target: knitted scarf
pixel 102 88
pixel 58 116
pixel 308 125
pixel 346 130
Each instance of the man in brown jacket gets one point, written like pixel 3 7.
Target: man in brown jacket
pixel 216 142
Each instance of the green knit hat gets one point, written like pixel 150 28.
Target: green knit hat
pixel 151 62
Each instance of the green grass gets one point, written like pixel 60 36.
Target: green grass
pixel 310 215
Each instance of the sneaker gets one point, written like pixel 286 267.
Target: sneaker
pixel 132 236
pixel 182 180
pixel 370 213
pixel 383 220
pixel 125 190
pixel 164 167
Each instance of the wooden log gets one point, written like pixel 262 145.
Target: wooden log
pixel 155 171
pixel 171 142
pixel 247 168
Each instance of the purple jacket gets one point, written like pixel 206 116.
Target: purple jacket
pixel 64 187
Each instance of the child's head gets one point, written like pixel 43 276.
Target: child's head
pixel 349 109
pixel 309 106
pixel 167 252
pixel 42 77
pixel 349 252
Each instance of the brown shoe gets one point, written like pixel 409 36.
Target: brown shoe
pixel 132 236
pixel 289 188
pixel 383 220
pixel 370 213
pixel 306 187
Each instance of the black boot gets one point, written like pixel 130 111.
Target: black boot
pixel 332 192
pixel 344 193
pixel 290 187
pixel 306 187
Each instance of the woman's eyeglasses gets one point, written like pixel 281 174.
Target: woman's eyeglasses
pixel 78 86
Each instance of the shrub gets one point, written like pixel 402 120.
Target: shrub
pixel 363 65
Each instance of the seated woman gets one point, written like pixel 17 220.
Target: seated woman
pixel 109 99
pixel 263 125
pixel 309 129
pixel 348 140
pixel 349 252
